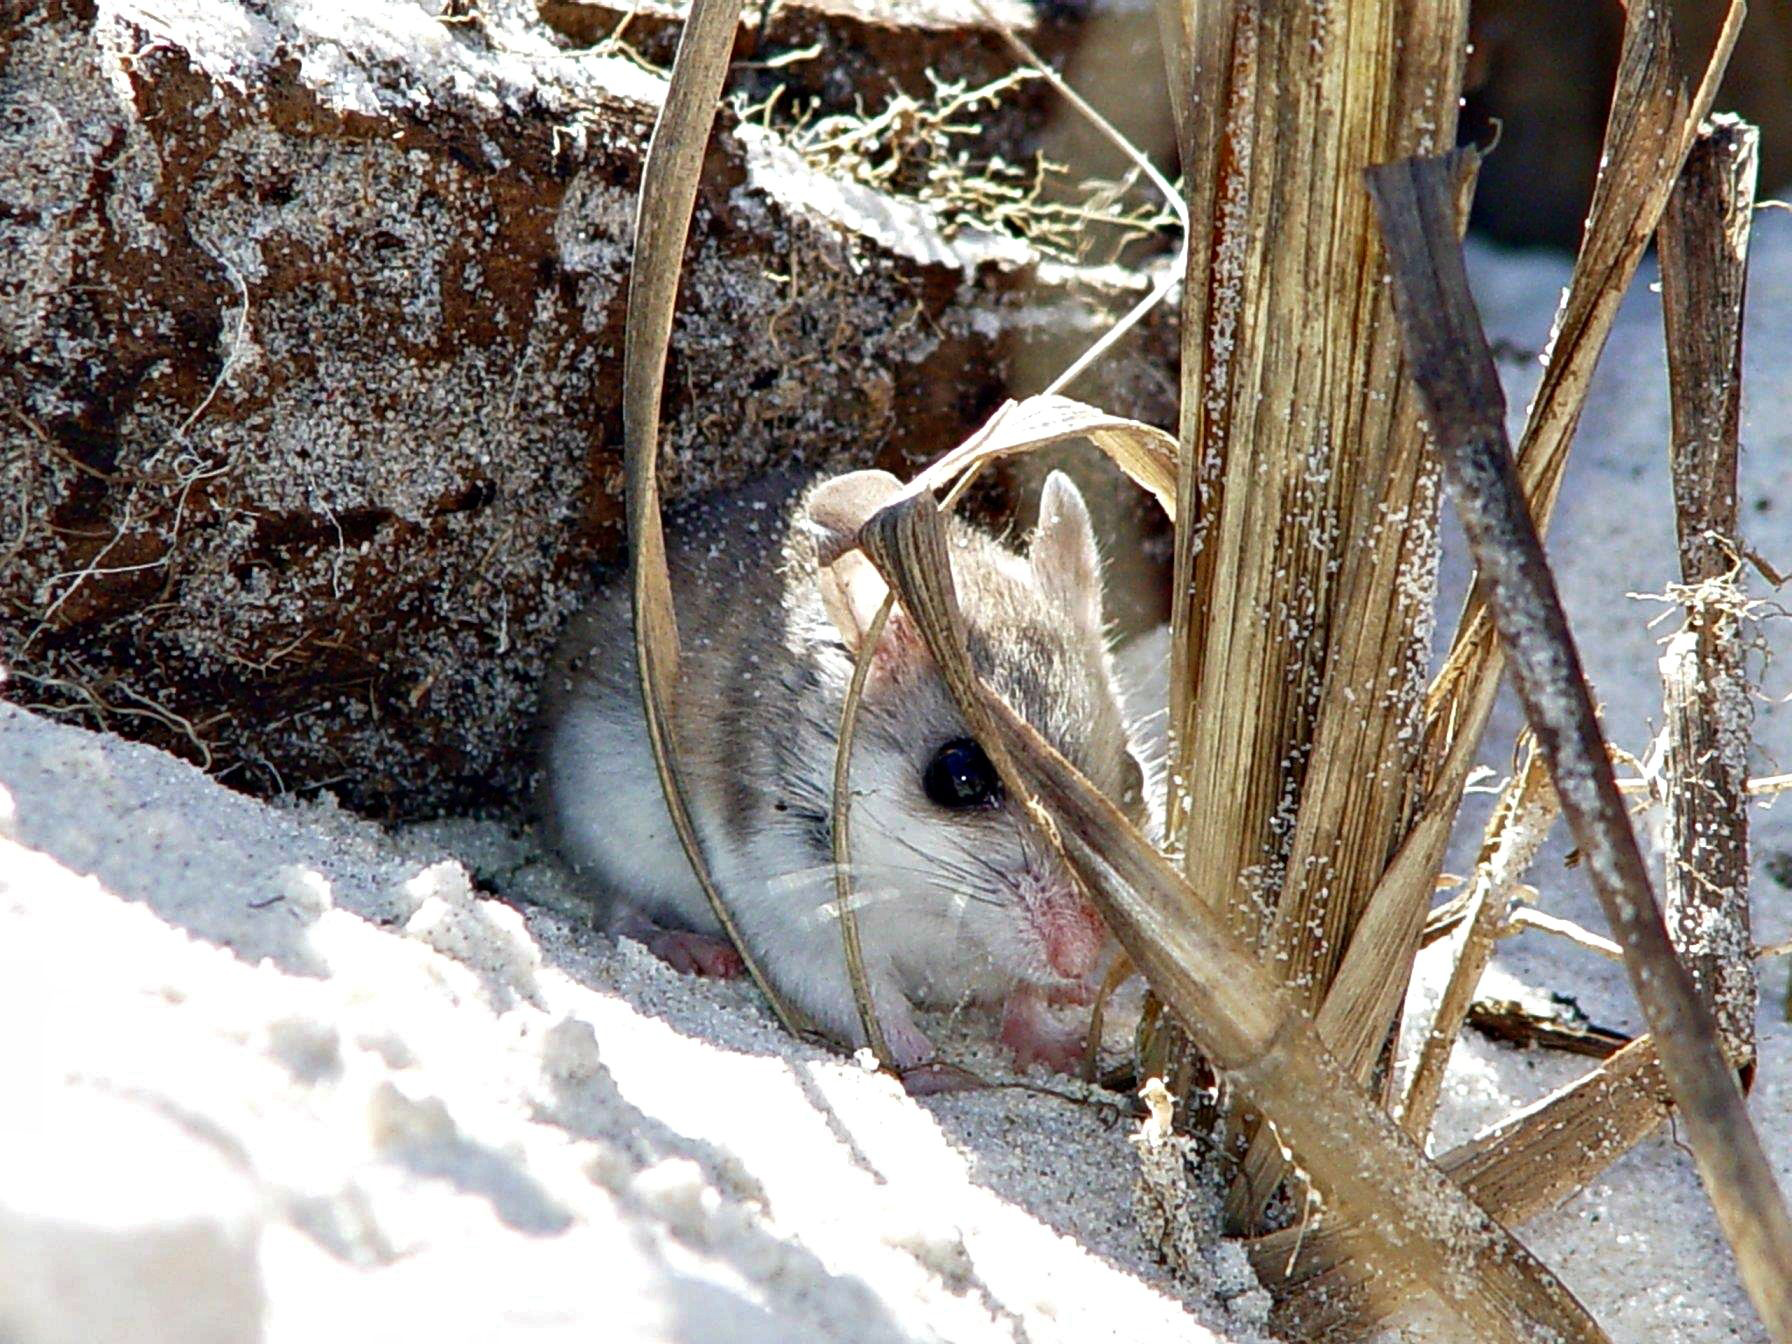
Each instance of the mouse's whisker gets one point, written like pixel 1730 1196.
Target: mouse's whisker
pixel 956 867
pixel 819 878
pixel 988 870
pixel 794 879
pixel 964 882
pixel 993 869
pixel 958 893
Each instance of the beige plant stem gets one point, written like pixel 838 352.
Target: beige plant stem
pixel 662 223
pixel 841 836
pixel 1366 985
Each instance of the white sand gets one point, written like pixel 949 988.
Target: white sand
pixel 274 1073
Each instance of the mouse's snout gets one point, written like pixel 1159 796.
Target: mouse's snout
pixel 1071 933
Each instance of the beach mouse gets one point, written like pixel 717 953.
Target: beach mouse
pixel 958 899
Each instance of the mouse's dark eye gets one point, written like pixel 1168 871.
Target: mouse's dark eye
pixel 960 776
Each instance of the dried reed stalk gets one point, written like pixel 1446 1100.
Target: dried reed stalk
pixel 1705 699
pixel 1249 1023
pixel 840 833
pixel 1364 987
pixel 1466 414
pixel 662 223
pixel 1302 589
pixel 1303 469
pixel 1521 819
pixel 1703 247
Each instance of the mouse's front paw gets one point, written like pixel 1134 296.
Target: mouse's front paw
pixel 696 953
pixel 1036 1036
pixel 916 1062
pixel 907 1043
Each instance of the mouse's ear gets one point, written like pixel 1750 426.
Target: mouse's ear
pixel 851 588
pixel 1064 557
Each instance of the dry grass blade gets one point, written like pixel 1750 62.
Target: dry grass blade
pixel 1534 1159
pixel 1703 245
pixel 1761 786
pixel 841 834
pixel 1654 117
pixel 1142 451
pixel 668 192
pixel 1466 412
pixel 1322 1276
pixel 1207 86
pixel 1520 823
pixel 1250 1024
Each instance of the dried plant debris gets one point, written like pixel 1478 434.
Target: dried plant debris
pixel 928 149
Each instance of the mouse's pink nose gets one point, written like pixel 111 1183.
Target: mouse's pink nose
pixel 1074 936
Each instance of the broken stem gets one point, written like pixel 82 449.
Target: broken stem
pixel 1520 823
pixel 1703 242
